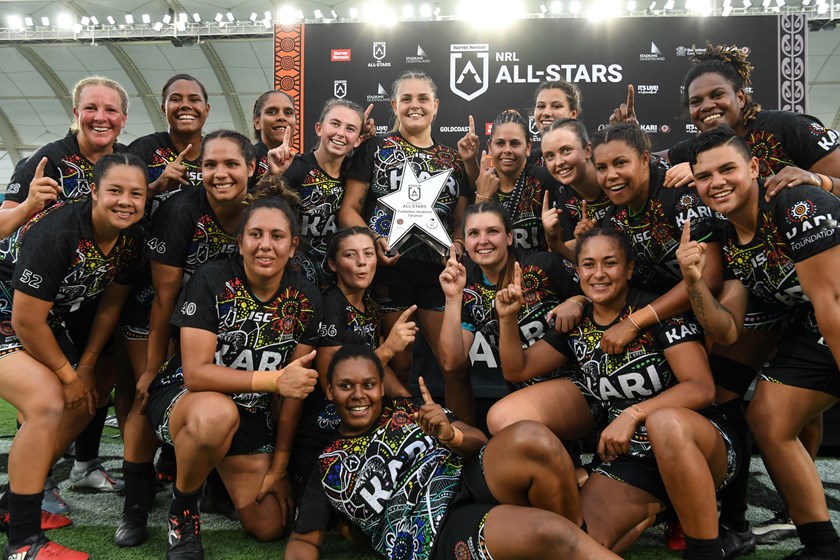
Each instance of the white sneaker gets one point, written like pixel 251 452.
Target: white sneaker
pixel 95 477
pixel 53 501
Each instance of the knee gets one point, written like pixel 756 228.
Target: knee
pixel 533 441
pixel 667 431
pixel 261 529
pixel 499 417
pixel 47 408
pixel 556 534
pixel 214 421
pixel 762 422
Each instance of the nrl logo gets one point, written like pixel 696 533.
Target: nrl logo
pixel 340 88
pixel 469 70
pixel 414 193
pixel 379 50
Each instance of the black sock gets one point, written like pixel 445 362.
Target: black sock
pixel 138 478
pixel 182 502
pixel 24 516
pixel 733 498
pixel 703 549
pixel 166 459
pixel 87 444
pixel 820 536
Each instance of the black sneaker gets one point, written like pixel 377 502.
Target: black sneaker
pixel 774 530
pixel 38 546
pixel 132 528
pixel 736 543
pixel 185 537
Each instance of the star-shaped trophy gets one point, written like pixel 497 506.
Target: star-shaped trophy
pixel 414 211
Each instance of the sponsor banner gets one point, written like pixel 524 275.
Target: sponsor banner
pixel 482 72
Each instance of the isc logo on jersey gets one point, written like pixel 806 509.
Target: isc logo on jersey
pixel 260 316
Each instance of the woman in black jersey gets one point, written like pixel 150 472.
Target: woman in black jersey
pixel 553 101
pixel 249 326
pixel 61 170
pixel 470 331
pixel 275 119
pixel 517 185
pixel 662 441
pixel 69 256
pixel 318 177
pixel 377 169
pixel 349 314
pixel 190 228
pixel 784 251
pixel 567 154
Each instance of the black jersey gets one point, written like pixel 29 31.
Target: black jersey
pixel 395 483
pixel 320 199
pixel 54 257
pixel 251 335
pixel 638 373
pixel 795 225
pixel 185 233
pixel 524 204
pixel 341 317
pixel 261 168
pixel 536 155
pixel 546 283
pixel 157 151
pixel 570 204
pixel 778 139
pixel 380 161
pixel 656 230
pixel 65 163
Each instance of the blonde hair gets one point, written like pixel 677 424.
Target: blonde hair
pixel 97 81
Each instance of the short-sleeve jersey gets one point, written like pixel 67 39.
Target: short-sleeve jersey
pixel 524 204
pixel 251 335
pixel 638 373
pixel 570 204
pixel 394 482
pixel 656 230
pixel 536 155
pixel 795 225
pixel 55 258
pixel 157 151
pixel 546 282
pixel 186 234
pixel 65 163
pixel 380 161
pixel 778 139
pixel 320 198
pixel 261 168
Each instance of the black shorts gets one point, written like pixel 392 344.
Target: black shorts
pixel 461 533
pixel 731 375
pixel 398 287
pixel 256 433
pixel 762 316
pixel 643 472
pixel 803 361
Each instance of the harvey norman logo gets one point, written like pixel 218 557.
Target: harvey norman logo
pixel 421 58
pixel 340 55
pixel 469 69
pixel 655 54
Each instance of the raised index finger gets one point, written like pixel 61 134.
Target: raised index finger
pixel 367 111
pixel 517 275
pixel 183 154
pixel 630 99
pixel 424 392
pixel 287 135
pixel 546 207
pixel 472 125
pixel 484 165
pixel 39 171
pixel 685 237
pixel 584 211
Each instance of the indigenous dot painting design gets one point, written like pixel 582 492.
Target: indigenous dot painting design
pixel 76 175
pixel 255 336
pixel 770 152
pixel 90 272
pixel 655 242
pixel 800 211
pixel 209 242
pixel 394 483
pixel 527 216
pixel 288 69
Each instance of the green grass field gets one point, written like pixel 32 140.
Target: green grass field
pixel 95 516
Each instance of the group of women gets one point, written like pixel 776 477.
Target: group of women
pixel 266 325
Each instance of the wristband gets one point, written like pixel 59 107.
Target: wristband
pixel 456 439
pixel 66 374
pixel 577 302
pixel 655 314
pixel 635 324
pixel 265 381
pixel 633 416
pixel 482 198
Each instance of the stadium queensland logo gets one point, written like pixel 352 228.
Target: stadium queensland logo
pixel 340 88
pixel 469 70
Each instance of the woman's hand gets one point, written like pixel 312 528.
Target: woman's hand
pixel 550 220
pixel 42 190
pixel 626 112
pixel 510 300
pixel 678 175
pixel 402 333
pixel 383 255
pixel 468 145
pixel 566 316
pixel 141 390
pixel 488 183
pixel 692 256
pixel 789 176
pixel 280 158
pixel 75 393
pixel 618 336
pixel 615 438
pixel 585 224
pixel 297 380
pixel 280 487
pixel 174 174
pixel 453 279
pixel 432 419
